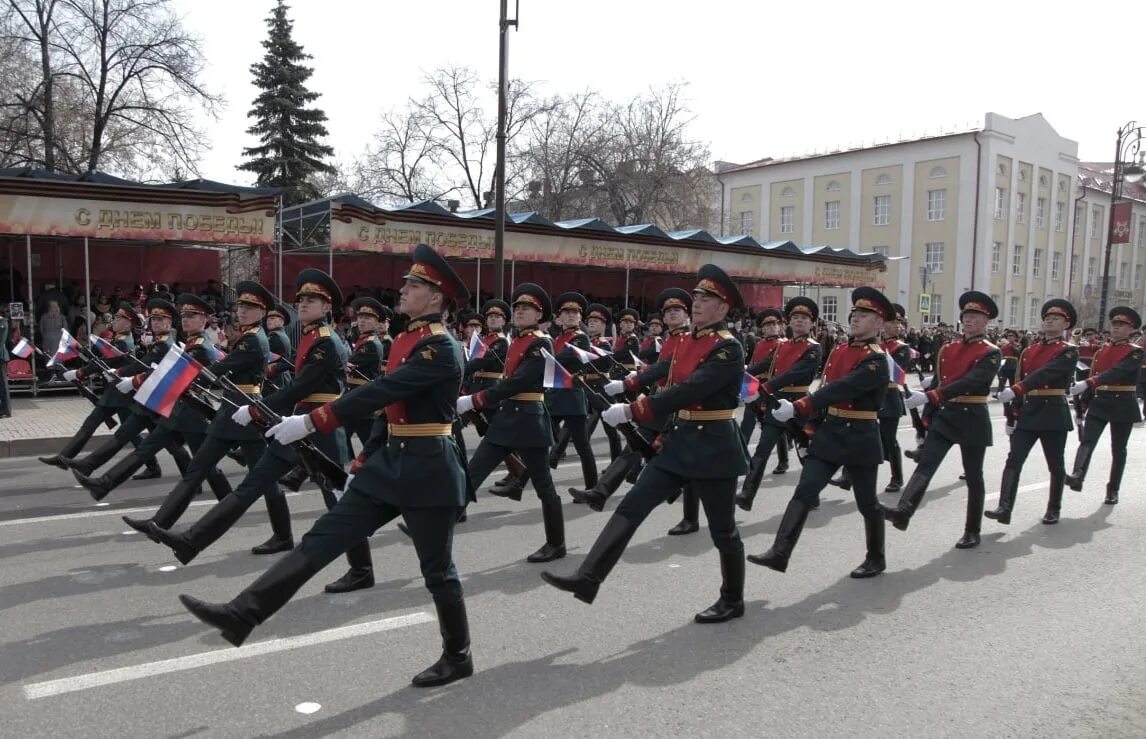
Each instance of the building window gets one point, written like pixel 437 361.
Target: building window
pixel 1017 261
pixel 996 257
pixel 1034 308
pixel 1037 262
pixel 1091 265
pixel 1056 266
pixel 1095 218
pixel 882 215
pixel 1074 277
pixel 1123 275
pixel 1140 240
pixel 787 219
pixel 1079 217
pixel 883 180
pixel 1000 203
pixel 1021 208
pixel 746 223
pixel 995 298
pixel 936 205
pixel 833 186
pixel 1041 213
pixel 1138 277
pixel 832 215
pixel 881 250
pixel 937 173
pixel 936 308
pixel 1016 316
pixel 829 305
pixel 934 257
pixel 1059 216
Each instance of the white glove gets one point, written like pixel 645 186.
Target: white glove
pixel 785 412
pixel 915 400
pixel 465 404
pixel 71 375
pixel 1079 388
pixel 614 387
pixel 616 413
pixel 631 374
pixel 1006 395
pixel 242 416
pixel 124 385
pixel 339 493
pixel 291 429
pixel 1009 429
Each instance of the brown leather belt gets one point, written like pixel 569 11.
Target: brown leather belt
pixel 319 398
pixel 490 375
pixel 796 389
pixel 529 397
pixel 591 376
pixel 421 429
pixel 1047 392
pixel 893 386
pixel 968 399
pixel 852 414
pixel 720 415
pixel 1117 388
pixel 356 381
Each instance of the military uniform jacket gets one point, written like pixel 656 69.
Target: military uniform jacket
pixel 1113 383
pixel 762 352
pixel 626 348
pixel 278 373
pixel 964 373
pixel 4 339
pixel 1046 370
pixel 655 377
pixel 893 406
pixel 185 419
pixel 703 390
pixel 569 402
pixel 485 371
pixel 367 358
pixel 420 466
pixel 855 381
pixel 245 365
pixel 139 372
pixel 793 366
pixel 112 398
pixel 522 419
pixel 650 350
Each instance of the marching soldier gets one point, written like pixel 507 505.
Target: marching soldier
pixel 278 342
pixel 771 336
pixel 1010 349
pixel 319 375
pixel 1046 370
pixel 893 408
pixel 5 396
pixel 790 372
pixel 651 344
pixel 703 448
pixel 568 407
pixel 1112 384
pixel 855 381
pixel 598 321
pixel 368 358
pixel 418 390
pixel 522 422
pixel 485 371
pixel 964 372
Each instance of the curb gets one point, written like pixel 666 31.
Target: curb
pixel 36 447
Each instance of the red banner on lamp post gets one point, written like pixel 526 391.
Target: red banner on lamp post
pixel 1121 215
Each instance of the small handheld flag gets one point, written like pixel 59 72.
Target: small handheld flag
pixel 749 386
pixel 69 348
pixel 897 374
pixel 23 349
pixel 601 351
pixel 162 388
pixel 106 349
pixel 657 344
pixel 584 356
pixel 214 353
pixel 556 377
pixel 476 348
pixel 272 357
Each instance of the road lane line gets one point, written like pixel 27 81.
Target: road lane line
pixel 35 691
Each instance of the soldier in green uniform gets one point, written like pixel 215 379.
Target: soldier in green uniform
pixel 278 344
pixel 855 381
pixel 319 376
pixel 522 422
pixel 568 408
pixel 702 448
pixel 368 358
pixel 185 425
pixel 1111 388
pixel 418 474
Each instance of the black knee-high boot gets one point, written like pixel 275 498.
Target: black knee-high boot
pixel 602 558
pixel 119 473
pixel 1054 500
pixel 456 662
pixel 1008 491
pixel 730 605
pixel 282 539
pixel 360 575
pixel 1081 463
pixel 607 483
pixel 909 500
pixel 690 513
pixel 554 518
pixel 203 533
pixel 747 494
pixel 791 525
pixel 895 461
pixel 874 561
pixel 100 456
pixel 976 494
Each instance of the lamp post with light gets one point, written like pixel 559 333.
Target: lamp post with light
pixel 1129 143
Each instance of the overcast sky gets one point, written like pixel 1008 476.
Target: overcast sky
pixel 773 78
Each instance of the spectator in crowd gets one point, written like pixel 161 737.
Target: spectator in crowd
pixel 52 325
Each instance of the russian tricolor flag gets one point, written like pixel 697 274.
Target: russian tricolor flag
pixel 556 377
pixel 160 391
pixel 106 349
pixel 214 353
pixel 749 386
pixel 584 356
pixel 898 376
pixel 272 357
pixel 69 348
pixel 476 348
pixel 23 349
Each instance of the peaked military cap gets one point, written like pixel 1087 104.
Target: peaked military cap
pixel 628 313
pixel 978 302
pixel 900 312
pixel 250 292
pixel 280 310
pixel 801 304
pixel 655 319
pixel 432 268
pixel 1126 314
pixel 368 307
pixel 712 280
pixel 771 313
pixel 1060 307
pixel 596 310
pixel 316 283
pixel 532 294
pixel 674 297
pixel 870 299
pixel 160 308
pixel 494 305
pixel 190 303
pixel 570 301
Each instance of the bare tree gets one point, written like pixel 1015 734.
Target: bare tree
pixel 403 164
pixel 29 104
pixel 554 154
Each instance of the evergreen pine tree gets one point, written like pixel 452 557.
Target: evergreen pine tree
pixel 290 151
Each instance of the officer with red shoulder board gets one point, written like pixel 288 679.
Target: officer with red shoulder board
pixel 1046 371
pixel 855 381
pixel 1111 387
pixel 760 366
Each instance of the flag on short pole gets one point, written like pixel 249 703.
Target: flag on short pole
pixel 584 356
pixel 749 386
pixel 272 357
pixel 600 351
pixel 476 348
pixel 174 374
pixel 214 353
pixel 556 377
pixel 23 349
pixel 69 348
pixel 106 349
pixel 657 344
pixel 897 374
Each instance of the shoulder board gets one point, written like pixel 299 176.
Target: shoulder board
pixel 324 330
pixel 538 334
pixel 252 330
pixel 990 344
pixel 1069 344
pixel 875 348
pixel 725 334
pixel 810 340
pixel 437 328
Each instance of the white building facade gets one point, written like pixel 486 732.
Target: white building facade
pixel 991 209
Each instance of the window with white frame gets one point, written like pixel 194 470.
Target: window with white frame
pixel 1021 208
pixel 1016 315
pixel 936 205
pixel 1000 203
pixel 832 215
pixel 1095 219
pixel 1056 266
pixel 1041 213
pixel 1091 266
pixel 787 219
pixel 882 250
pixel 995 298
pixel 996 257
pixel 1079 217
pixel 1140 240
pixel 1037 262
pixel 936 308
pixel 746 223
pixel 1123 275
pixel 1138 276
pixel 934 257
pixel 829 308
pixel 1074 275
pixel 1034 308
pixel 1059 216
pixel 1017 261
pixel 882 213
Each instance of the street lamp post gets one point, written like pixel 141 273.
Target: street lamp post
pixel 504 24
pixel 1129 143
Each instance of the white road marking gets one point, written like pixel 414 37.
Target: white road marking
pixel 116 512
pixel 34 691
pixel 168 568
pixel 308 707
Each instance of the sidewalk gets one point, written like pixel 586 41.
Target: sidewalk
pixel 40 426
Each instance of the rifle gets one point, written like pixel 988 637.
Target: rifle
pixel 800 434
pixel 481 425
pixel 319 467
pixel 627 429
pixel 85 391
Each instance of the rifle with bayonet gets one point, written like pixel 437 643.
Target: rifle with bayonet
pixel 800 433
pixel 600 402
pixel 480 423
pixel 80 385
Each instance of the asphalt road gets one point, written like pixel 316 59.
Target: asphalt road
pixel 1039 632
